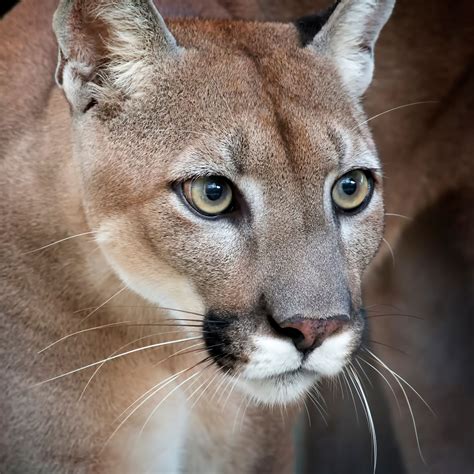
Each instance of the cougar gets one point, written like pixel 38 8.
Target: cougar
pixel 187 215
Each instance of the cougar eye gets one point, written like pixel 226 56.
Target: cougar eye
pixel 353 190
pixel 209 195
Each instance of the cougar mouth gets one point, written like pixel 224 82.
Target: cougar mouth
pixel 271 369
pixel 281 389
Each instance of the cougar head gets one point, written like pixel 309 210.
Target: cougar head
pixel 228 171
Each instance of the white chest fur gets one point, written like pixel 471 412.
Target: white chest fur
pixel 160 446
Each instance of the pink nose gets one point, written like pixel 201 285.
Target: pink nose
pixel 307 334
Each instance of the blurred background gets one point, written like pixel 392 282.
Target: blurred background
pixel 419 293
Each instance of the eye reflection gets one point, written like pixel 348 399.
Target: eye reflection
pixel 209 195
pixel 352 190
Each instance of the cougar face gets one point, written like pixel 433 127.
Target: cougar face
pixel 228 172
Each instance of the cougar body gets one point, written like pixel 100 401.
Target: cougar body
pixel 263 301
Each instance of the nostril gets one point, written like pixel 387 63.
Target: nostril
pixel 294 334
pixel 291 331
pixel 309 333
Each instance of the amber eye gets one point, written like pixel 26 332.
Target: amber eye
pixel 209 195
pixel 352 191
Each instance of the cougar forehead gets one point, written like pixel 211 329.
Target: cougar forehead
pixel 241 107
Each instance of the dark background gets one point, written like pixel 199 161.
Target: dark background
pixel 6 5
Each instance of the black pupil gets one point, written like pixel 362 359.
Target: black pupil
pixel 349 186
pixel 214 190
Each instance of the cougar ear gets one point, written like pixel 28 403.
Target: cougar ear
pixel 349 35
pixel 107 44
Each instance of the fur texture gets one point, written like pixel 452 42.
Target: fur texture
pixel 152 105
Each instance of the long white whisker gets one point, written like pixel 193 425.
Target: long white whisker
pixel 76 333
pixel 381 362
pixel 151 346
pixel 391 214
pixel 231 390
pixel 242 419
pixel 219 385
pixel 394 109
pixel 370 420
pixel 340 386
pixel 59 241
pixel 399 381
pixel 151 307
pixel 317 397
pixel 317 406
pixel 144 395
pixel 197 389
pixel 307 412
pixel 364 373
pixel 153 391
pixel 227 385
pixel 150 416
pixel 390 249
pixel 103 304
pixel 155 386
pixel 352 395
pixel 122 348
pixel 204 390
pixel 386 380
pixel 237 414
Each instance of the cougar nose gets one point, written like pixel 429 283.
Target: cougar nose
pixel 307 334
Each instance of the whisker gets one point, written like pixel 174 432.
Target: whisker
pixel 186 350
pixel 344 375
pixel 150 416
pixel 109 325
pixel 390 249
pixel 318 407
pixel 120 349
pixel 399 379
pixel 391 214
pixel 242 418
pixel 412 104
pixel 237 414
pixel 204 390
pixel 386 380
pixel 219 385
pixel 340 386
pixel 193 383
pixel 227 385
pixel 200 386
pixel 152 307
pixel 236 379
pixel 307 412
pixel 154 387
pixel 392 306
pixel 151 346
pixel 386 315
pixel 153 391
pixel 59 241
pixel 103 304
pixel 380 361
pixel 389 347
pixel 365 404
pixel 364 373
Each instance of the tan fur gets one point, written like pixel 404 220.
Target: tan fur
pixel 248 90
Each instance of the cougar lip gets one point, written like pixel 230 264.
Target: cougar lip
pixel 281 389
pixel 286 376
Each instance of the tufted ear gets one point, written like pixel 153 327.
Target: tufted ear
pixel 348 36
pixel 107 44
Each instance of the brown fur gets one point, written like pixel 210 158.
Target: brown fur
pixel 38 138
